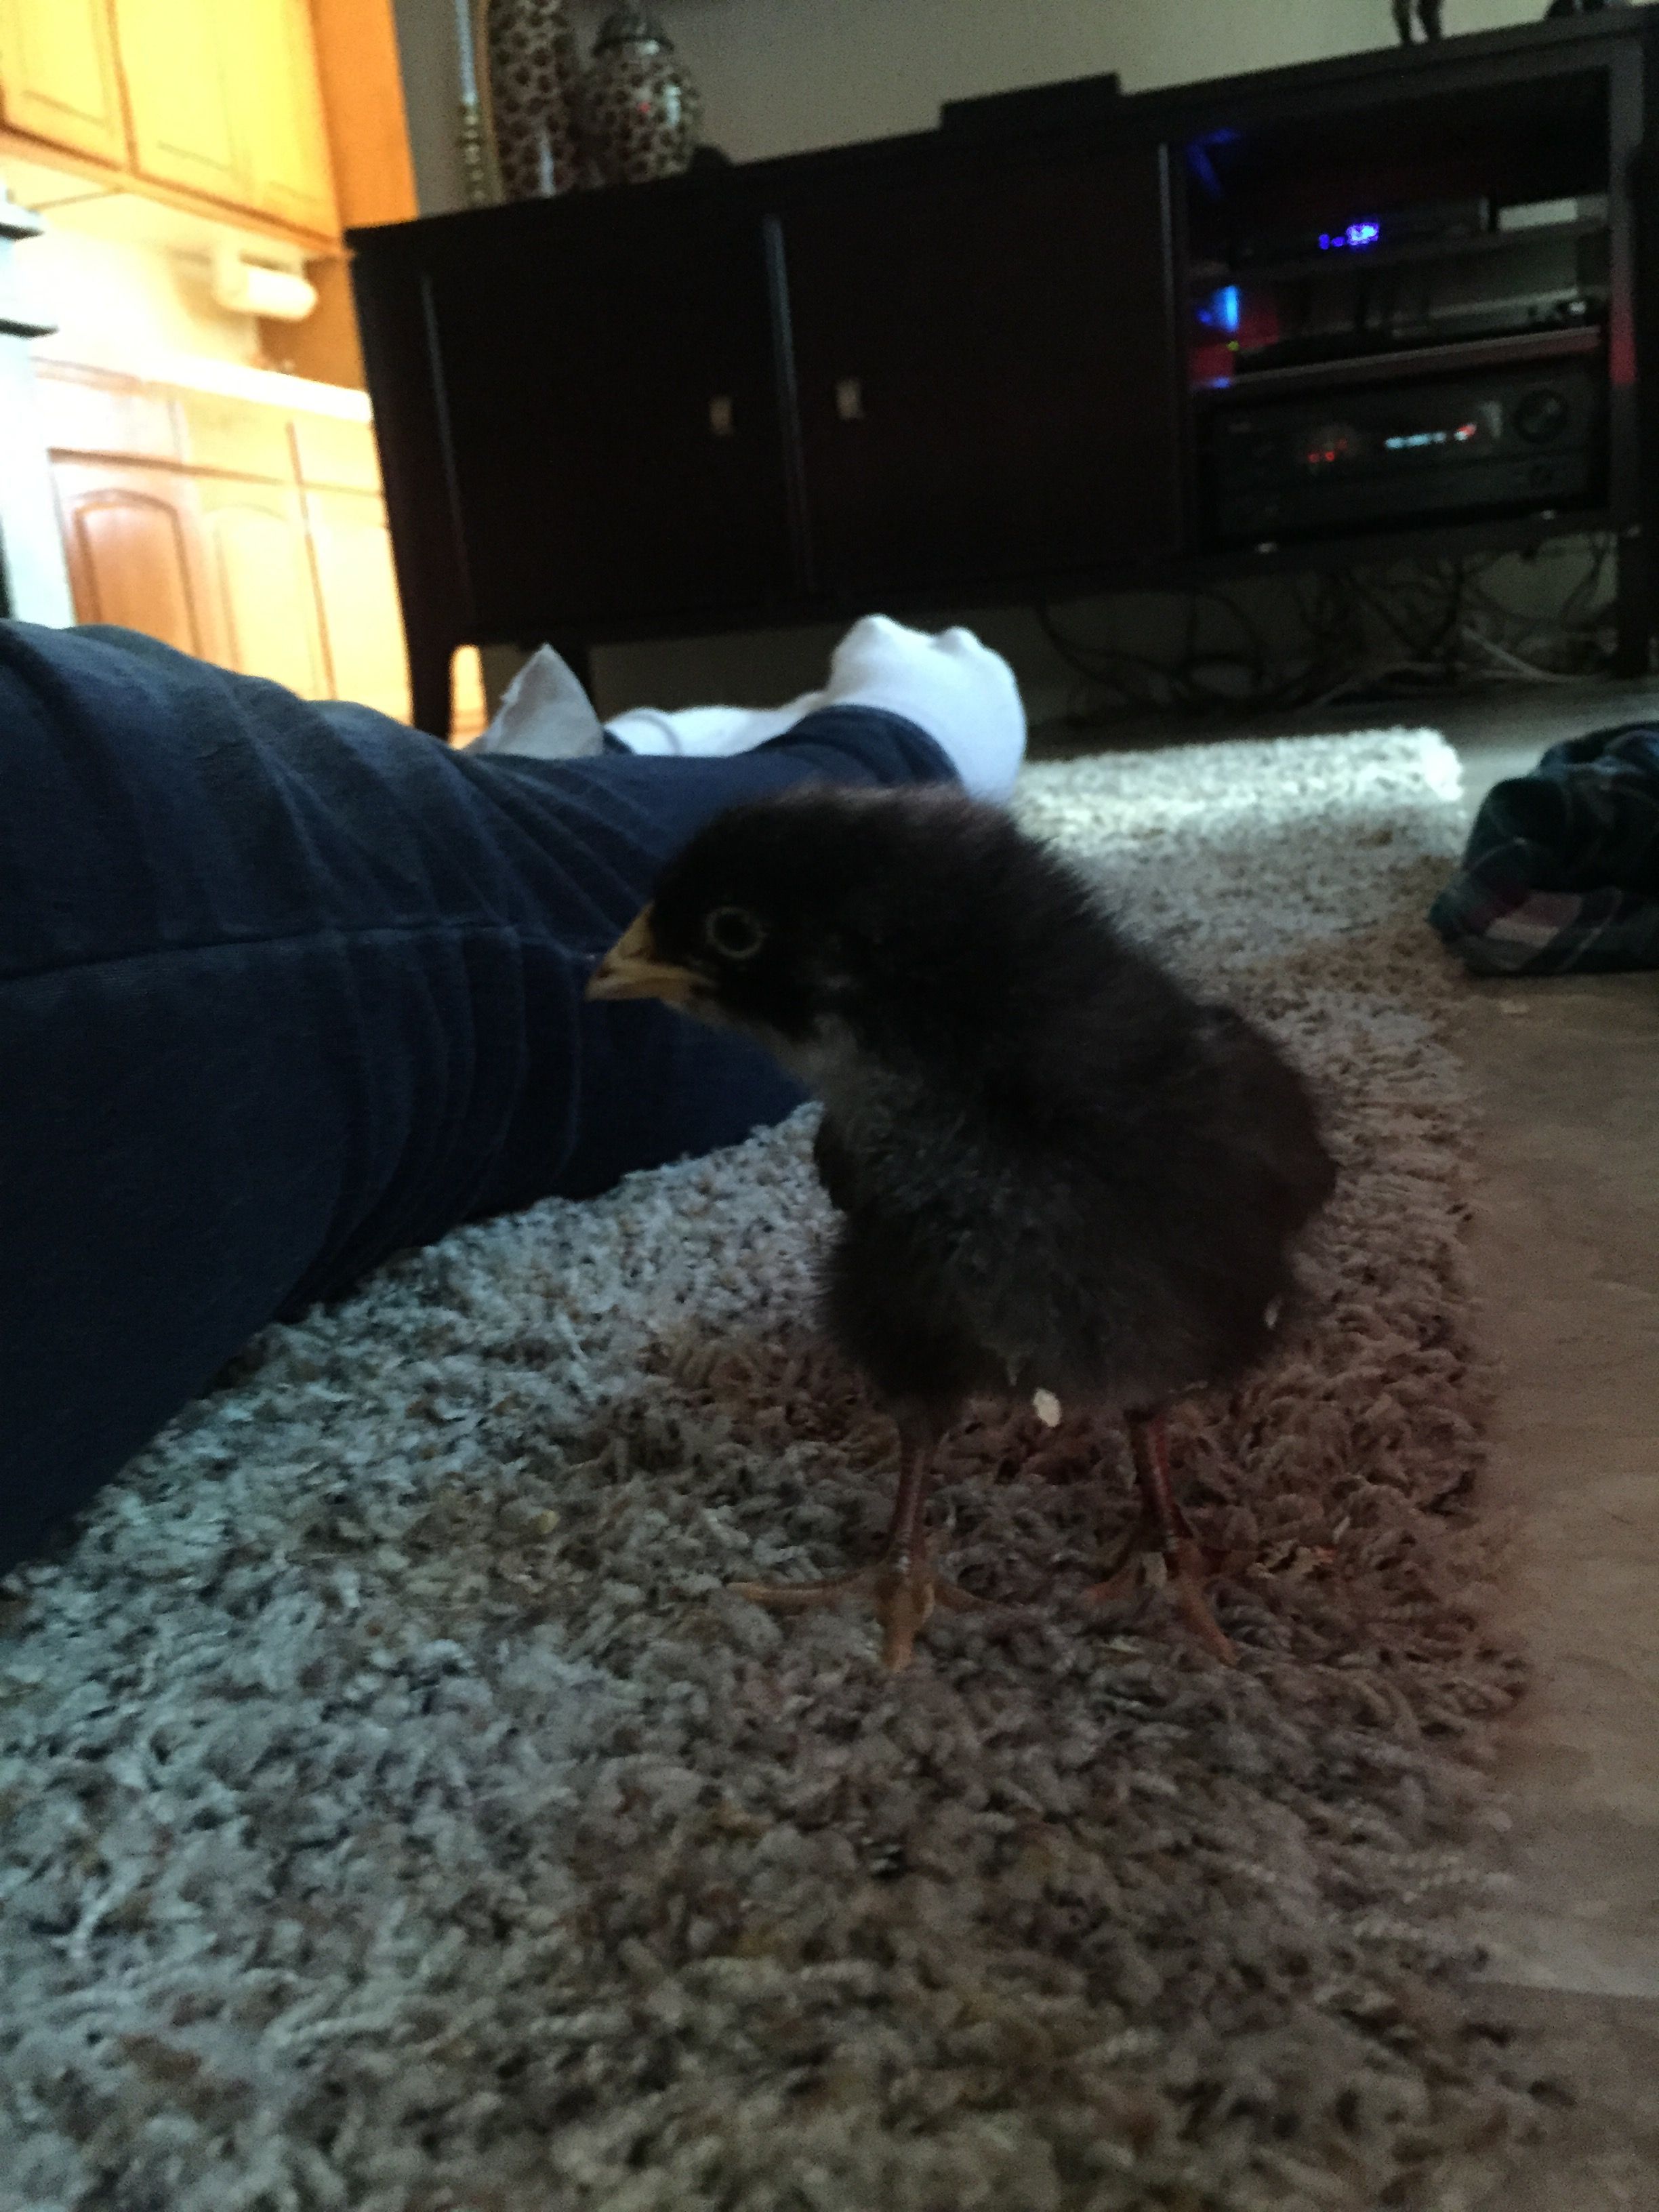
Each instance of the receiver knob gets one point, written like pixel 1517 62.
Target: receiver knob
pixel 1541 415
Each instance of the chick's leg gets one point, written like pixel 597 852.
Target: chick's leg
pixel 901 1584
pixel 1164 1528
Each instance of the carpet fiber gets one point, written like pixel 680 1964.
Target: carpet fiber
pixel 400 1813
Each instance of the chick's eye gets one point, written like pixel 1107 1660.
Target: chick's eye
pixel 734 933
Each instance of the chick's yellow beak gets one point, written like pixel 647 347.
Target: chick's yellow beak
pixel 631 969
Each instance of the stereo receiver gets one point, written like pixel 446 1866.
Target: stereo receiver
pixel 1514 439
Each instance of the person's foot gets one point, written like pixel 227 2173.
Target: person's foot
pixel 956 689
pixel 544 713
pixel 708 733
pixel 963 695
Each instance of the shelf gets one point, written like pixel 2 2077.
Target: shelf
pixel 1409 360
pixel 1394 256
pixel 1407 538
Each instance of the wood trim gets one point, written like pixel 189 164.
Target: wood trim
pixel 324 346
pixel 362 88
pixel 189 432
pixel 314 570
pixel 161 462
pixel 317 245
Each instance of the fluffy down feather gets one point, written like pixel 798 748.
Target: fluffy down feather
pixel 1058 1168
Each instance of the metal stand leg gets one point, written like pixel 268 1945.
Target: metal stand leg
pixel 428 679
pixel 1633 604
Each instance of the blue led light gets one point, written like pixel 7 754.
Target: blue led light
pixel 1357 234
pixel 1221 310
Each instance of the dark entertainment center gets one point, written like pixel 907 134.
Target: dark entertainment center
pixel 1072 341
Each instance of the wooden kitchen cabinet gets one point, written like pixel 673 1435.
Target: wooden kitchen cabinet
pixel 233 436
pixel 132 536
pixel 58 78
pixel 357 593
pixel 331 450
pixel 263 595
pixel 174 59
pixel 225 100
pixel 251 535
pixel 275 96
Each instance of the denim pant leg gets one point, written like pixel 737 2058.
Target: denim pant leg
pixel 286 988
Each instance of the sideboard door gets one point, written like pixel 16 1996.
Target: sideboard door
pixel 985 358
pixel 608 375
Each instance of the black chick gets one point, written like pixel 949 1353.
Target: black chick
pixel 1060 1173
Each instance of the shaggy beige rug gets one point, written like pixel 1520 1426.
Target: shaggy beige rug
pixel 400 1813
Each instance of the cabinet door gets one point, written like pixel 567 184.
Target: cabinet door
pixel 132 537
pixel 172 58
pixel 263 595
pixel 362 626
pixel 270 66
pixel 984 346
pixel 95 410
pixel 333 453
pixel 58 75
pixel 613 427
pixel 225 98
pixel 234 437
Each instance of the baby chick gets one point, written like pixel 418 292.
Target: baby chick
pixel 1062 1177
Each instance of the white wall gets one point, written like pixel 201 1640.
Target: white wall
pixel 122 305
pixel 780 76
pixel 427 59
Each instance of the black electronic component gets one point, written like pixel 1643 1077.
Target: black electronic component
pixel 1515 440
pixel 1355 234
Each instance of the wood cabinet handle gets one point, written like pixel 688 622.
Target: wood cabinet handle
pixel 721 421
pixel 850 398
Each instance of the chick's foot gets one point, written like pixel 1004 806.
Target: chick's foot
pixel 901 1585
pixel 1164 1535
pixel 1185 1568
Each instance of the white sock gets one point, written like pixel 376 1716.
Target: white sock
pixel 544 713
pixel 708 732
pixel 963 695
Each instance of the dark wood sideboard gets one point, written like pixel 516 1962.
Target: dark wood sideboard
pixel 979 365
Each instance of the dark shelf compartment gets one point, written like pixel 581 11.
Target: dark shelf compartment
pixel 1409 360
pixel 1355 263
pixel 1446 536
pixel 1542 136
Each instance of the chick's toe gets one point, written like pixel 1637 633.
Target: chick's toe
pixel 901 1589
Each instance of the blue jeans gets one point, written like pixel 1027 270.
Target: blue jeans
pixel 285 988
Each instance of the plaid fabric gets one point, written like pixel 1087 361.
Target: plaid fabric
pixel 1562 867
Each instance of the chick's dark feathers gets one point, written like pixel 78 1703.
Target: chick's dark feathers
pixel 1058 1168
